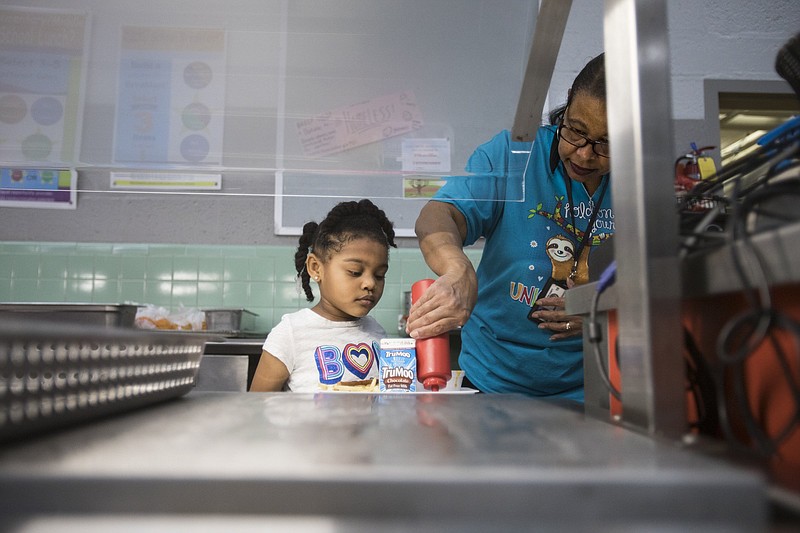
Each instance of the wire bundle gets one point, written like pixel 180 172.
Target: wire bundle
pixel 745 190
pixel 595 336
pixel 748 191
pixel 753 188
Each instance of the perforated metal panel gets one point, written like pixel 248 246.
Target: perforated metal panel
pixel 54 374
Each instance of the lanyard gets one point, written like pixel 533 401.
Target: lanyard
pixel 589 227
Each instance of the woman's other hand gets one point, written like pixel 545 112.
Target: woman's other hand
pixel 556 320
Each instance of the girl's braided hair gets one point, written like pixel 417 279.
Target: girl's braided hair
pixel 346 222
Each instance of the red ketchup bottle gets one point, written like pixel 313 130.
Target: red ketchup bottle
pixel 433 353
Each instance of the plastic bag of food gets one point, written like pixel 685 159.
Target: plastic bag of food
pixel 189 318
pixel 156 317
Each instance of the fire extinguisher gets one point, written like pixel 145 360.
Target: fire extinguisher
pixel 688 170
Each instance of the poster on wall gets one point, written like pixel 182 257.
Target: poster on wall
pixel 355 125
pixel 42 76
pixel 170 96
pixel 40 188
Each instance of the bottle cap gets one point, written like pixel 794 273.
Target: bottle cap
pixel 434 383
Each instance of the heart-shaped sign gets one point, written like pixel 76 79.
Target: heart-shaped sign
pixel 359 358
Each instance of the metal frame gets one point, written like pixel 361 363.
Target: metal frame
pixel 648 288
pixel 648 279
pixel 547 35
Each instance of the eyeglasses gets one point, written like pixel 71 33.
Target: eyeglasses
pixel 579 140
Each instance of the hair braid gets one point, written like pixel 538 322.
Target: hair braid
pixel 300 256
pixel 346 222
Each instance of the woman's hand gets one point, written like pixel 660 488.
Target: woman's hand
pixel 444 306
pixel 448 303
pixel 563 325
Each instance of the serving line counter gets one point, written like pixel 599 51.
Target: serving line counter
pixel 366 462
pixel 229 364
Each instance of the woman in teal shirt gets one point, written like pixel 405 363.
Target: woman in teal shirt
pixel 533 247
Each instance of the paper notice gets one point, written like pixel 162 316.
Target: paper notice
pixel 426 155
pixel 355 125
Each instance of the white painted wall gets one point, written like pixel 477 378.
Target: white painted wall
pixel 709 39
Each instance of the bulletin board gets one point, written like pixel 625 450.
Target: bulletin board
pixel 390 111
pixel 286 106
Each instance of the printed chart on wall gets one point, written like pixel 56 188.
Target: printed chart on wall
pixel 39 188
pixel 42 75
pixel 171 96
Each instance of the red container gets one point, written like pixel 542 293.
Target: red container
pixel 433 353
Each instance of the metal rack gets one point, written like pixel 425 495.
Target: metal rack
pixel 657 292
pixel 54 374
pixel 649 281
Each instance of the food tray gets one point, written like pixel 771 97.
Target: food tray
pixel 54 374
pixel 111 315
pixel 229 321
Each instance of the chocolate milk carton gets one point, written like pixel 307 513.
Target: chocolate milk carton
pixel 397 364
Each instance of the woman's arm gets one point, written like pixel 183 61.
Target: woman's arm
pixel 271 374
pixel 447 304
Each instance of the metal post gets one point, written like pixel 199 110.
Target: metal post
pixel 547 35
pixel 648 279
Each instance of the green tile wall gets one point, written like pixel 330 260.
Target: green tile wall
pixel 258 278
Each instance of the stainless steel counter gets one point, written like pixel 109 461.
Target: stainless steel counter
pixel 363 461
pixel 714 272
pixel 229 350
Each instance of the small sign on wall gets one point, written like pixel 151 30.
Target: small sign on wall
pixel 421 186
pixel 358 124
pixel 425 155
pixel 166 180
pixel 39 188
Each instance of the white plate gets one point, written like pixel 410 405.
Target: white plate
pixel 444 391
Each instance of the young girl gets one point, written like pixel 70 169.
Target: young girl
pixel 347 255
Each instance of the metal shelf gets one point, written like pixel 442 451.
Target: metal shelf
pixel 424 462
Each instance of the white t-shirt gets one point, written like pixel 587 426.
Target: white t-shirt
pixel 318 351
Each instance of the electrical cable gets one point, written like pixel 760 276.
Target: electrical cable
pixel 766 167
pixel 607 278
pixel 700 382
pixel 746 192
pixel 760 157
pixel 732 372
pixel 743 334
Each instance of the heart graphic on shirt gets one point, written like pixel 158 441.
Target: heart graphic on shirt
pixel 548 227
pixel 541 278
pixel 358 358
